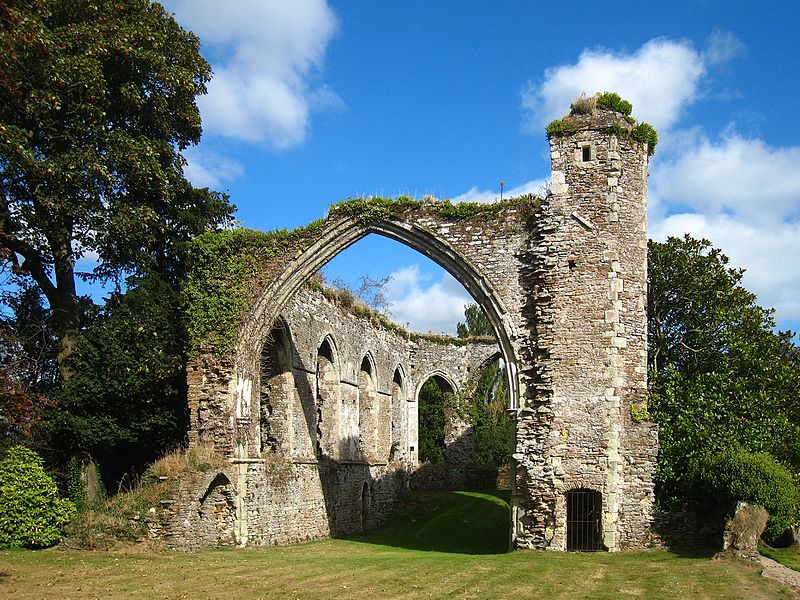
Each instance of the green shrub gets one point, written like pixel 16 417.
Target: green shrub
pixel 613 101
pixel 31 513
pixel 758 478
pixel 561 127
pixel 646 133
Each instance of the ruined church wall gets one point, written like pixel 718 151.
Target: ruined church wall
pixel 593 326
pixel 563 283
pixel 287 492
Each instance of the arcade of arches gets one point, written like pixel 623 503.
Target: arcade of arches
pixel 315 407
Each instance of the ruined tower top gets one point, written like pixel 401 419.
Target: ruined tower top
pixel 606 113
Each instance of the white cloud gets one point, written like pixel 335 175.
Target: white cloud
pixel 487 196
pixel 769 255
pixel 435 307
pixel 744 196
pixel 269 51
pixel 208 169
pixel 660 79
pixel 742 177
pixel 722 46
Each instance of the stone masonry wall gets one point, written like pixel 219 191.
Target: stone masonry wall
pixel 563 284
pixel 304 476
pixel 578 434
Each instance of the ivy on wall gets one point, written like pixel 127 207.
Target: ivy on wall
pixel 227 268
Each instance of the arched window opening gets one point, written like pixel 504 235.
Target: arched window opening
pixel 399 425
pixel 584 520
pixel 367 412
pixel 366 506
pixel 277 390
pixel 327 397
pixel 432 398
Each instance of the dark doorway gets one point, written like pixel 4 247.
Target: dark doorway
pixel 584 520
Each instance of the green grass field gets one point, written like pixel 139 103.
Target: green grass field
pixel 442 545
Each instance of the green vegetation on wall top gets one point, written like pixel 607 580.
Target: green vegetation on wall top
pixel 226 268
pixel 641 132
pixel 374 207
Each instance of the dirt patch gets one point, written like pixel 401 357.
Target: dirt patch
pixel 783 574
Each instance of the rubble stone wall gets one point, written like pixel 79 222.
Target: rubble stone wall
pixel 330 440
pixel 563 283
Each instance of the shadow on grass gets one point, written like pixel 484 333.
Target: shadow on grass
pixel 454 522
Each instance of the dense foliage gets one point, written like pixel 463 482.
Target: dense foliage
pixel 476 323
pixel 494 429
pixel 31 513
pixel 613 101
pixel 431 421
pixel 125 403
pixel 720 376
pixel 97 99
pixel 735 474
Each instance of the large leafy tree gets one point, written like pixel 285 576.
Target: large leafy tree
pixel 125 403
pixel 720 376
pixel 97 99
pixel 476 323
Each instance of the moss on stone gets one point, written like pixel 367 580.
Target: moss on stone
pixel 227 268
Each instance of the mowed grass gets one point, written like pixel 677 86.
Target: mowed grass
pixel 442 545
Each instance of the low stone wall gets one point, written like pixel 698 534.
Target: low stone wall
pixel 687 530
pixel 449 477
pixel 262 503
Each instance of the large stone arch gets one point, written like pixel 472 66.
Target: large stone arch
pixel 338 235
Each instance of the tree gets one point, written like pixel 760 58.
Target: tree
pixel 97 99
pixel 477 323
pixel 494 429
pixel 720 376
pixel 125 403
pixel 431 421
pixel 31 513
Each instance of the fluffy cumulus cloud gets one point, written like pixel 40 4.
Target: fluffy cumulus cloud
pixel 661 78
pixel 741 193
pixel 208 169
pixel 424 302
pixel 265 54
pixel 744 196
pixel 734 175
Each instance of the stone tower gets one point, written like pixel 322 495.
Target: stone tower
pixel 576 430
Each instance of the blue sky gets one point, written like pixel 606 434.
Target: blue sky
pixel 313 102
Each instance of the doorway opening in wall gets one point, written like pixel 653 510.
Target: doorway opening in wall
pixel 584 520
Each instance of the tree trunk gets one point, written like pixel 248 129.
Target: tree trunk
pixel 64 301
pixel 796 536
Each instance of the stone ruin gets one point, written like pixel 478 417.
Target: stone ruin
pixel 316 409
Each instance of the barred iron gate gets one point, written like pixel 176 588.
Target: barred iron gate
pixel 584 520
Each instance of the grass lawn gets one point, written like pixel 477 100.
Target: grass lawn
pixel 445 545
